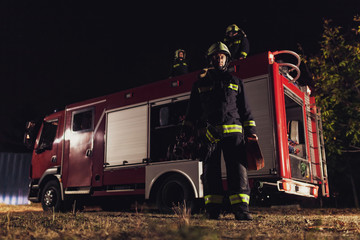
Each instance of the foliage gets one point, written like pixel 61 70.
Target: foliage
pixel 336 73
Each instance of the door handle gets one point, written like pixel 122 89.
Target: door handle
pixel 89 153
pixel 54 159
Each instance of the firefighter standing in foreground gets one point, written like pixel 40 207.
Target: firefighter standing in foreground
pixel 237 42
pixel 219 111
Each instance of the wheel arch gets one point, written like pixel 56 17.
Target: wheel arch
pixel 160 178
pixel 51 174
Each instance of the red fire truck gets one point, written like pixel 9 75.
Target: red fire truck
pixel 116 147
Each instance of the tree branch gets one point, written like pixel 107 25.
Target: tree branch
pixel 350 151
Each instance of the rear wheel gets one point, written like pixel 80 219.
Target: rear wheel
pixel 175 190
pixel 51 196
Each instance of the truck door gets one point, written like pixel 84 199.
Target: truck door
pixel 77 166
pixel 48 147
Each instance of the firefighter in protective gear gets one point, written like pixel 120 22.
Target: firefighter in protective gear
pixel 237 42
pixel 180 66
pixel 218 100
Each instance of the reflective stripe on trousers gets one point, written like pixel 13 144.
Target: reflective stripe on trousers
pixel 217 199
pixel 234 199
pixel 239 198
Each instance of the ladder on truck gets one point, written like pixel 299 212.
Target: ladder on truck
pixel 322 155
pixel 323 178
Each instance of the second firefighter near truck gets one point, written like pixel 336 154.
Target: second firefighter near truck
pixel 219 112
pixel 237 42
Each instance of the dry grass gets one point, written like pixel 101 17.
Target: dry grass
pixel 183 214
pixel 20 208
pixel 29 222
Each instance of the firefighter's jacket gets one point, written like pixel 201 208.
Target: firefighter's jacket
pixel 179 67
pixel 238 45
pixel 218 98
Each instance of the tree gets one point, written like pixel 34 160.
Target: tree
pixel 335 71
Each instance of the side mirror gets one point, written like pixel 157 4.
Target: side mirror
pixel 30 134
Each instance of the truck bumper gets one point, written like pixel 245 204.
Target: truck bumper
pixel 298 188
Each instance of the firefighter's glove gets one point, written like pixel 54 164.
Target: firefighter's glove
pixel 208 142
pixel 178 149
pixel 213 135
pixel 205 150
pixel 251 138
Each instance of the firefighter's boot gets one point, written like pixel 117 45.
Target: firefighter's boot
pixel 241 212
pixel 213 204
pixel 212 211
pixel 240 206
pixel 240 215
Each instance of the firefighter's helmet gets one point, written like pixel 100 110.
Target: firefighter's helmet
pixel 178 51
pixel 232 28
pixel 219 47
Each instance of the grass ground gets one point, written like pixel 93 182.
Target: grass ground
pixel 29 222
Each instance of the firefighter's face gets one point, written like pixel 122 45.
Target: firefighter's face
pixel 181 55
pixel 232 34
pixel 219 60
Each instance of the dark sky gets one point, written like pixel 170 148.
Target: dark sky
pixel 53 53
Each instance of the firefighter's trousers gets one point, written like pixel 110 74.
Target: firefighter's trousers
pixel 233 148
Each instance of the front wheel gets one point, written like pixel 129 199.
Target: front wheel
pixel 175 191
pixel 51 196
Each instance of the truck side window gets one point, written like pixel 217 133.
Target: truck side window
pixel 295 121
pixel 48 135
pixel 83 121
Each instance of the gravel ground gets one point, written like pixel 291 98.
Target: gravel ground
pixel 283 222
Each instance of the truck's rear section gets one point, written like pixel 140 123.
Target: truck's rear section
pixel 289 130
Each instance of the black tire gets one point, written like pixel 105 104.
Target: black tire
pixel 51 196
pixel 173 191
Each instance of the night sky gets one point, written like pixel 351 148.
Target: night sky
pixel 53 53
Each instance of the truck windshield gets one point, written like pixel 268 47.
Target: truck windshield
pixel 47 137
